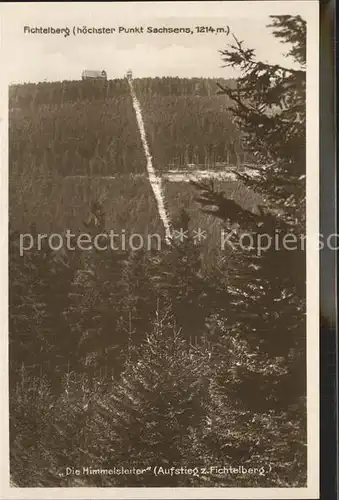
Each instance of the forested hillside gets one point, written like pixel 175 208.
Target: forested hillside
pixel 89 127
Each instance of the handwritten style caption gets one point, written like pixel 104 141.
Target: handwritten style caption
pixel 215 470
pixel 125 30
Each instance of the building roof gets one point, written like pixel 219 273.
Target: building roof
pixel 94 73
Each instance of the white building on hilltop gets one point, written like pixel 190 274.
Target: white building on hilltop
pixel 88 74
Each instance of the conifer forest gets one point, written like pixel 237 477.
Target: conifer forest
pixel 187 354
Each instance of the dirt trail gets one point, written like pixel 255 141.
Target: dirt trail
pixel 155 181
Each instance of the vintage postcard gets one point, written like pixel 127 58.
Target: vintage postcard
pixel 159 225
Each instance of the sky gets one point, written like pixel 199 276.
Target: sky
pixel 51 57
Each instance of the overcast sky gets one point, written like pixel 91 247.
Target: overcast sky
pixel 39 57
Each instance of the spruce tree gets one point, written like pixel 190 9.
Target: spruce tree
pixel 155 415
pixel 269 107
pixel 95 298
pixel 267 287
pixel 39 284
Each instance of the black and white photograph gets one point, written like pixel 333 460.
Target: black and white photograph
pixel 159 188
